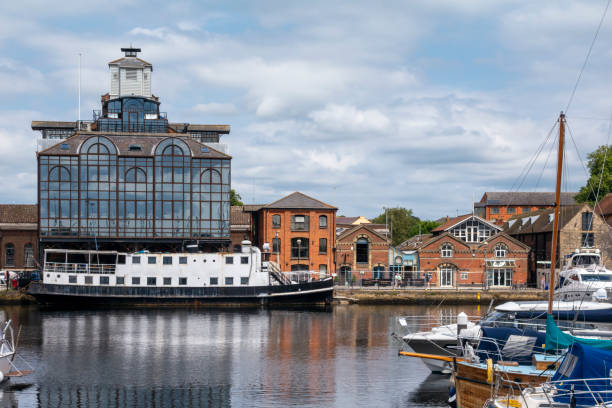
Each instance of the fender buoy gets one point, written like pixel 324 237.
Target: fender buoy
pixel 489 371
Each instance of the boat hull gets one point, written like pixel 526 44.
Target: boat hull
pixel 473 390
pixel 315 292
pixel 445 348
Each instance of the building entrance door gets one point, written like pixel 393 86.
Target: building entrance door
pixel 446 277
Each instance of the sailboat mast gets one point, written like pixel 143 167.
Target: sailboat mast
pixel 555 232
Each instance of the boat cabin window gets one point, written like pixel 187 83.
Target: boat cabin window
pixel 587 277
pixel 182 281
pixel 104 280
pixel 135 260
pixel 167 281
pixel 59 257
pixel 229 281
pixel 585 260
pixel 102 259
pixel 229 259
pixel 77 258
pixel 135 280
pixel 574 277
pixel 151 281
pixel 244 260
pixel 120 280
pixel 120 259
pixel 151 260
pixel 72 279
pixel 89 280
pixel 183 260
pixel 244 280
pixel 167 260
pixel 214 281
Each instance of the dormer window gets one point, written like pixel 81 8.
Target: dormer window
pixel 65 146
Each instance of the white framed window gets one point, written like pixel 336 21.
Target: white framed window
pixel 446 251
pixel 464 275
pixel 500 251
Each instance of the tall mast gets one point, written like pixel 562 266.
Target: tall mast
pixel 555 234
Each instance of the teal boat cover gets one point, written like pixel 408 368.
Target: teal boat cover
pixel 557 340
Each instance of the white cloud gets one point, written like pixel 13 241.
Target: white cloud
pixel 215 108
pixel 349 119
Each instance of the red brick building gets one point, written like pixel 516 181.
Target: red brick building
pixel 362 252
pixel 498 207
pixel 18 236
pixel 300 231
pixel 469 251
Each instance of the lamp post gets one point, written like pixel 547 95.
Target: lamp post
pixel 299 242
pixel 277 250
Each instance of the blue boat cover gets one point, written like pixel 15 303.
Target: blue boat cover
pixel 557 340
pixel 494 344
pixel 583 363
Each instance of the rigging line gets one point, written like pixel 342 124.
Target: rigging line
pixel 534 157
pixel 586 59
pixel 596 205
pixel 552 148
pixel 528 170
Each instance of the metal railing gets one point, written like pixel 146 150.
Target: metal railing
pixel 60 267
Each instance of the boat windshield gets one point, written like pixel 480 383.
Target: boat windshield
pixel 581 260
pixel 593 277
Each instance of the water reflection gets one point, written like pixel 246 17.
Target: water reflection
pixel 219 358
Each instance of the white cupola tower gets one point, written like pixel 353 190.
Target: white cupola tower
pixel 130 75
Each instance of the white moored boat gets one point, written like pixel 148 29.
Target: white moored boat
pixel 583 276
pixel 82 276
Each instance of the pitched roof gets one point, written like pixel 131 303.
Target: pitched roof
pixel 346 220
pixel 357 227
pixel 239 217
pixel 130 62
pixel 457 220
pixel 604 206
pixel 414 242
pixel 18 213
pixel 449 222
pixel 122 141
pixel 299 201
pixel 541 220
pixel 526 198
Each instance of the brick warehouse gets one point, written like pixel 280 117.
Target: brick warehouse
pixel 468 251
pixel 362 253
pixel 300 230
pixel 18 236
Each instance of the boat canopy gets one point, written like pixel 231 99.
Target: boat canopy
pixel 584 374
pixel 557 339
pixel 509 344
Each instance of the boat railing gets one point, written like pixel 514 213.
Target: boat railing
pixel 62 267
pixel 420 323
pixel 301 276
pixel 597 389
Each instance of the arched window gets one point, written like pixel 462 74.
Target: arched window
pixel 323 221
pixel 28 256
pixel 59 173
pixel 276 221
pixel 446 251
pixel 9 255
pixel 135 175
pixel 362 249
pixel 500 250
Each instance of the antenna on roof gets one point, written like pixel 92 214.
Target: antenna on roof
pixel 79 98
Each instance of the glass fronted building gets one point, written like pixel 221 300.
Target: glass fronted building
pixel 128 177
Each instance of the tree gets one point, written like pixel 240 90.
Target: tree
pixel 588 193
pixel 403 224
pixel 235 198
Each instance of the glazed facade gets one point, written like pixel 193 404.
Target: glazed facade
pixel 102 193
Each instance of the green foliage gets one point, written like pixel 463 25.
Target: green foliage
pixel 235 198
pixel 404 224
pixel 587 194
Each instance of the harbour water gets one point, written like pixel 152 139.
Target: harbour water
pixel 343 356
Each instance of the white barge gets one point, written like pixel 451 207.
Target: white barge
pixel 103 277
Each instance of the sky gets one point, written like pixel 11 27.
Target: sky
pixel 419 104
